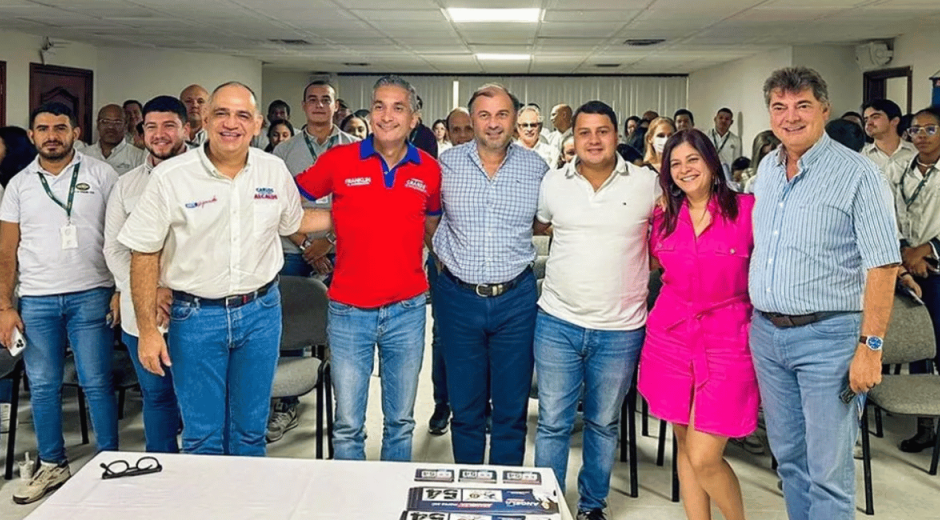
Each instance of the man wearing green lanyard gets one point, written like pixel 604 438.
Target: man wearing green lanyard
pixel 52 230
pixel 306 254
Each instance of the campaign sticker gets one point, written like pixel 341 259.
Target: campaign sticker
pixel 434 475
pixel 482 476
pixel 522 477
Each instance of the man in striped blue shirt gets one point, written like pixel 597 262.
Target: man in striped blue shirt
pixel 485 297
pixel 822 284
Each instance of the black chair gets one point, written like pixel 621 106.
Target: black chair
pixel 11 368
pixel 304 307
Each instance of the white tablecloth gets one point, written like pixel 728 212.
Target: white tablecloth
pixel 236 488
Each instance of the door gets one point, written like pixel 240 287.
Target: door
pixel 71 87
pixel 894 84
pixel 3 93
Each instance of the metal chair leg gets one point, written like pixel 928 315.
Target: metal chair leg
pixel 319 447
pixel 328 385
pixel 661 451
pixel 936 452
pixel 624 411
pixel 83 415
pixel 879 427
pixel 866 464
pixel 646 418
pixel 675 469
pixel 11 436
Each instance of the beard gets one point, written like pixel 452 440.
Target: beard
pixel 179 149
pixel 55 156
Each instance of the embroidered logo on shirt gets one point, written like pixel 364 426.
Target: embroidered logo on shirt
pixel 265 193
pixel 201 203
pixel 417 184
pixel 82 186
pixel 358 181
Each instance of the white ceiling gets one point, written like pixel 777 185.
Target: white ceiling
pixel 416 36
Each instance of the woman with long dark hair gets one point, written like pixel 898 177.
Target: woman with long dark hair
pixel 695 368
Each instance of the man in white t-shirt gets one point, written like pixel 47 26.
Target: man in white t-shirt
pixel 592 311
pixel 112 147
pixel 726 142
pixel 51 235
pixel 207 228
pixel 165 133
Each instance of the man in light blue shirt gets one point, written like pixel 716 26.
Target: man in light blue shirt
pixel 485 297
pixel 822 284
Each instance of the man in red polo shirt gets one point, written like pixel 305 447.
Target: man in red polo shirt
pixel 377 294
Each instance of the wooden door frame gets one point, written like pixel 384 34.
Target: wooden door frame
pixel 881 76
pixel 87 75
pixel 3 93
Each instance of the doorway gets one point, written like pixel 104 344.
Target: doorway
pixel 896 84
pixel 3 93
pixel 66 85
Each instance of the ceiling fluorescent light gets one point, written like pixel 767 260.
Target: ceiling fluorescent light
pixel 503 57
pixel 458 14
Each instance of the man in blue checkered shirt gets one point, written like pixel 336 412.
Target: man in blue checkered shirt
pixel 486 293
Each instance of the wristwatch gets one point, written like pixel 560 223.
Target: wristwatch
pixel 873 342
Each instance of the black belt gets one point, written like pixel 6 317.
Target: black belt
pixel 785 321
pixel 487 290
pixel 233 301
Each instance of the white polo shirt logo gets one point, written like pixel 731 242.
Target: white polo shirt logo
pixel 358 181
pixel 201 203
pixel 265 194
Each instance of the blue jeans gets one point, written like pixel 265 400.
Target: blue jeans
pixel 76 319
pixel 801 372
pixel 223 368
pixel 568 356
pixel 438 369
pixel 161 412
pixel 488 342
pixel 398 330
pixel 930 287
pixel 295 265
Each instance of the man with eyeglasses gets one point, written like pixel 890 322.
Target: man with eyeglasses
pixel 486 293
pixel 882 117
pixel 112 147
pixel 530 125
pixel 916 185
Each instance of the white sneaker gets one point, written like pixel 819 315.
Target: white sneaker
pixel 5 417
pixel 47 478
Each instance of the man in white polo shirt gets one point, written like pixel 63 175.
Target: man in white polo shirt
pixel 195 97
pixel 592 311
pixel 165 132
pixel 112 147
pixel 52 230
pixel 882 117
pixel 208 223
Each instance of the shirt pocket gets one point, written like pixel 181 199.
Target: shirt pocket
pixel 266 216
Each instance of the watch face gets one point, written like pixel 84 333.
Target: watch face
pixel 875 343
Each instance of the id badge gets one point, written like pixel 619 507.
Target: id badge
pixel 69 235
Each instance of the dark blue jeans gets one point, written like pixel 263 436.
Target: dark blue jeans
pixel 438 370
pixel 930 287
pixel 161 412
pixel 488 340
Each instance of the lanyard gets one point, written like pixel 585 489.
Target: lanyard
pixel 67 207
pixel 723 140
pixel 313 154
pixel 908 201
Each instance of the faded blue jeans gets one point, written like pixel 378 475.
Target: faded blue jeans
pixel 398 331
pixel 161 411
pixel 801 372
pixel 568 357
pixel 76 319
pixel 223 369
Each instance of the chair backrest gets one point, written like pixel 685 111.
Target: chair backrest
pixel 7 363
pixel 656 283
pixel 304 311
pixel 910 334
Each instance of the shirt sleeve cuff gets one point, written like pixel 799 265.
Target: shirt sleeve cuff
pixel 139 246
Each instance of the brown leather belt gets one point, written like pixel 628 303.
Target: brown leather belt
pixel 487 290
pixel 785 321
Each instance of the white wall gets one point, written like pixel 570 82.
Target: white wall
pixel 836 64
pixel 922 52
pixel 120 73
pixel 125 73
pixel 737 85
pixel 19 50
pixel 287 86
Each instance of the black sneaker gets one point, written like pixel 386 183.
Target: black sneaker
pixel 593 514
pixel 439 421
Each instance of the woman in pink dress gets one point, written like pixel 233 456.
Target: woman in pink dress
pixel 695 368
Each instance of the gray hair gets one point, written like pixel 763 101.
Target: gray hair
pixel 254 98
pixel 796 79
pixel 392 80
pixel 532 108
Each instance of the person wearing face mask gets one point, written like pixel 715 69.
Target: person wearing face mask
pixel 660 130
pixel 695 368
